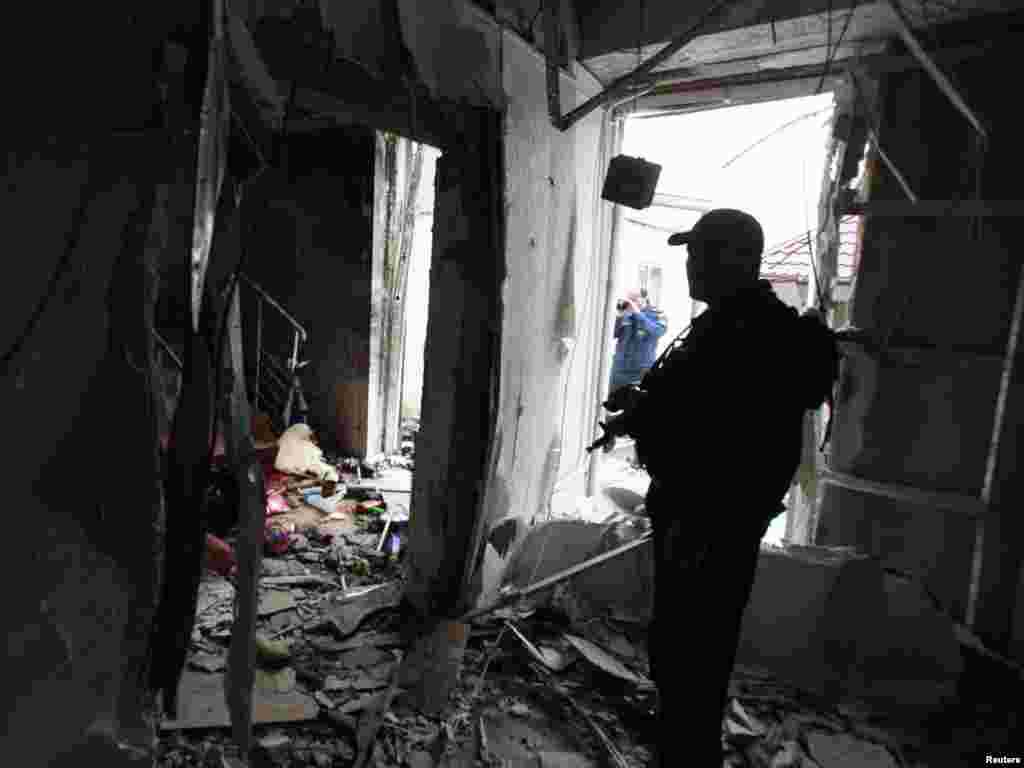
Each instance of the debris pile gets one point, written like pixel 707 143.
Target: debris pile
pixel 535 689
pixel 548 682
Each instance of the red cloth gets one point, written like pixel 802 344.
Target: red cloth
pixel 219 556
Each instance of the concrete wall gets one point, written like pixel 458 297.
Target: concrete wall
pixel 78 405
pixel 310 248
pixel 920 412
pixel 557 271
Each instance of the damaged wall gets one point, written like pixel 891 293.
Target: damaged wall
pixel 555 289
pixel 78 403
pixel 309 246
pixel 918 411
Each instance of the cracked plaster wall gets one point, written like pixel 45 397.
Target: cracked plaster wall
pixel 554 259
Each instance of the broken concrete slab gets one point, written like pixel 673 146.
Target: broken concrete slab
pixel 346 616
pixel 368 682
pixel 365 640
pixel 279 567
pixel 809 611
pixel 274 741
pixel 912 660
pixel 202 705
pixel 605 661
pixel 420 759
pixel 213 593
pixel 789 756
pixel 623 586
pixel 367 656
pixel 207 662
pixel 563 760
pixel 367 701
pixel 333 683
pixel 324 700
pixel 308 580
pixel 276 681
pixel 283 620
pixel 519 739
pixel 839 750
pixel 740 723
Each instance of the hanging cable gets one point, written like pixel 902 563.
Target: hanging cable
pixel 828 39
pixel 830 52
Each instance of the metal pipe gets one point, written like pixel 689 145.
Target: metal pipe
pixel 259 350
pixel 929 66
pixel 876 63
pixel 554 86
pixel 613 90
pixel 978 559
pixel 293 362
pixel 511 594
pixel 873 134
pixel 168 350
pixel 615 145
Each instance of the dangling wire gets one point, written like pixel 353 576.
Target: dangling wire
pixel 641 32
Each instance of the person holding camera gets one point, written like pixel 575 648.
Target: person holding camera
pixel 638 326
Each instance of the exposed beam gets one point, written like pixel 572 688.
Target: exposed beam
pixel 681 202
pixel 368 108
pixel 943 83
pixel 621 84
pixel 611 25
pixel 939 208
pixel 707 76
pixel 994 565
pixel 969 506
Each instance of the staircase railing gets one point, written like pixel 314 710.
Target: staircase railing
pixel 276 389
pixel 276 384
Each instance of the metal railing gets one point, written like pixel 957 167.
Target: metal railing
pixel 276 387
pixel 276 383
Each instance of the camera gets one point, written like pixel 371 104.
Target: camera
pixel 621 305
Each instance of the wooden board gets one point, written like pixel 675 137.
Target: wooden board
pixel 351 399
pixel 202 704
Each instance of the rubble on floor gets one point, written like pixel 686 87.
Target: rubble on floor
pixel 561 680
pixel 511 706
pixel 535 688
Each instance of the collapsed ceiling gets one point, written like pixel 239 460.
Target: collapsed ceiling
pixel 791 46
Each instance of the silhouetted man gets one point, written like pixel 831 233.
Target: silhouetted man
pixel 718 424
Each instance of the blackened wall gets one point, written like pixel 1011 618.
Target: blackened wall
pixel 308 228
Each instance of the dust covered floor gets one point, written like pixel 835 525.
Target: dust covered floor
pixel 535 688
pixel 533 691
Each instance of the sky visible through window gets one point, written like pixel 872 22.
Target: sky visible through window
pixel 778 181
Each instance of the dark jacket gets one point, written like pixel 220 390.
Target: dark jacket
pixel 722 415
pixel 637 335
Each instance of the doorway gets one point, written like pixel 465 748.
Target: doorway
pixel 403 217
pixel 767 158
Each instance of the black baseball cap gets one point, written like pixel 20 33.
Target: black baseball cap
pixel 725 225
